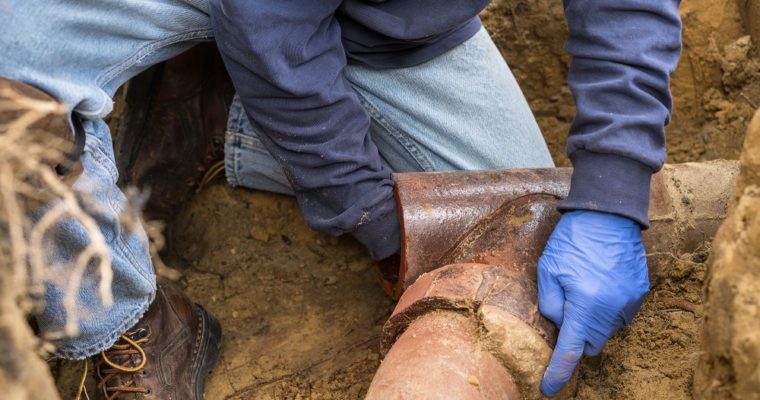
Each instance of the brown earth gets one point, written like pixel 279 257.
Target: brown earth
pixel 302 312
pixel 655 357
pixel 729 366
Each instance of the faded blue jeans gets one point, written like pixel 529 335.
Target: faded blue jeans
pixel 462 110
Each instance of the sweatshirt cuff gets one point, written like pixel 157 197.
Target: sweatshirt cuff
pixel 381 236
pixel 609 183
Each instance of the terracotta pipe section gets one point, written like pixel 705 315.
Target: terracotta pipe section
pixel 471 243
pixel 437 210
pixel 489 278
pixel 447 364
pixel 501 305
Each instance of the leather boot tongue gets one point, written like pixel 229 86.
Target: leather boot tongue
pixel 123 365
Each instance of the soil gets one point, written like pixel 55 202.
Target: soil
pixel 655 357
pixel 728 367
pixel 302 311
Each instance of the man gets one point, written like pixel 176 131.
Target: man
pixel 337 94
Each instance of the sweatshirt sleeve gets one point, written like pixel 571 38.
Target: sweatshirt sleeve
pixel 623 52
pixel 286 61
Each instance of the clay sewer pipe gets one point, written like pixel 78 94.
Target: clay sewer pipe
pixel 467 325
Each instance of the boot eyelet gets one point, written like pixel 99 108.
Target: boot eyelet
pixel 140 333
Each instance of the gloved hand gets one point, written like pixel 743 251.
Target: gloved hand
pixel 592 279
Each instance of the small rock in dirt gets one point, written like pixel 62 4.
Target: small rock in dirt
pixel 331 280
pixel 259 234
pixel 358 265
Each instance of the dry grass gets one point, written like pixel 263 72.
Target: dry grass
pixel 28 183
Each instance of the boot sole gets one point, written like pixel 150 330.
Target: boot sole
pixel 209 349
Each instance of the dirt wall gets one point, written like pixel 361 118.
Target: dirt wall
pixel 730 361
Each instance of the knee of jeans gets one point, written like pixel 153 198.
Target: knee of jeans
pixel 250 165
pixel 247 162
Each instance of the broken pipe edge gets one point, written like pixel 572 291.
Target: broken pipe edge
pixel 497 308
pixel 447 364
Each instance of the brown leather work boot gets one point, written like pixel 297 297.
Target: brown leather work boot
pixel 173 130
pixel 167 355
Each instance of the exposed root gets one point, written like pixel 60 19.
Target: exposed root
pixel 679 304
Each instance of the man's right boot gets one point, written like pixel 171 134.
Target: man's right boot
pixel 167 355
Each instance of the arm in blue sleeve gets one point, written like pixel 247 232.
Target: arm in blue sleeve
pixel 286 61
pixel 623 54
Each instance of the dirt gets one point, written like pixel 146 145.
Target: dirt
pixel 302 311
pixel 729 366
pixel 655 357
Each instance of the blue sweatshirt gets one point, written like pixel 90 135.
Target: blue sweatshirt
pixel 286 59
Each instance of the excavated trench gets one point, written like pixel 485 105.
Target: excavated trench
pixel 303 312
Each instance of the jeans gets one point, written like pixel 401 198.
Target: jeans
pixel 462 110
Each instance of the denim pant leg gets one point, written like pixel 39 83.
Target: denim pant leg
pixel 134 282
pixel 80 52
pixel 460 111
pixel 246 162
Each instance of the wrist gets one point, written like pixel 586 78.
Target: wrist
pixel 610 184
pixel 601 218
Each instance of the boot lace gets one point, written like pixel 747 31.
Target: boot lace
pixel 124 351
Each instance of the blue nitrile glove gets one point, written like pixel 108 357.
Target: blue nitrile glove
pixel 592 279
